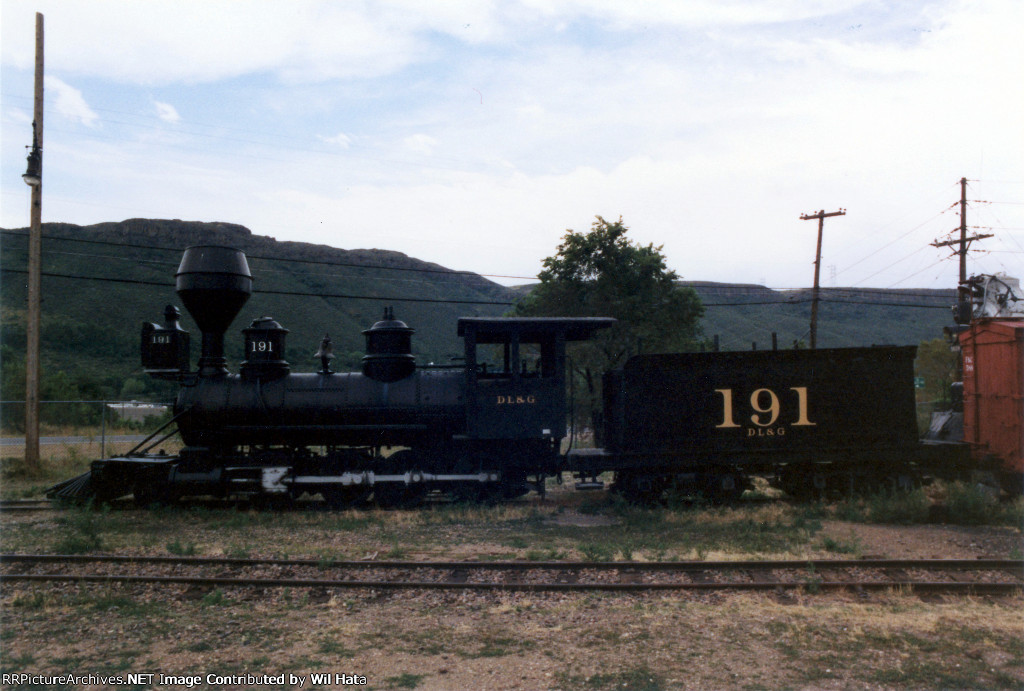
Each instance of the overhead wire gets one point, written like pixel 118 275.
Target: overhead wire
pixel 358 265
pixel 295 293
pixel 838 296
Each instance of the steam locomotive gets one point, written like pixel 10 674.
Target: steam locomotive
pixel 492 426
pixel 395 429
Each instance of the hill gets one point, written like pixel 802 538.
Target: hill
pixel 102 281
pixel 741 315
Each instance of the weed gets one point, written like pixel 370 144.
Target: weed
pixel 851 546
pixel 812 582
pixel 239 552
pixel 977 505
pixel 33 601
pixel 84 531
pixel 329 646
pixel 896 506
pixel 636 679
pixel 78 544
pixel 182 550
pixel 114 601
pixel 397 552
pixel 598 552
pixel 352 521
pixel 500 647
pixel 215 598
pixel 405 681
pixel 19 662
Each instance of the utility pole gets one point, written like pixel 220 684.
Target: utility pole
pixel 963 312
pixel 821 216
pixel 34 178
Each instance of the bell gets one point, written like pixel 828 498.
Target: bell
pixel 326 354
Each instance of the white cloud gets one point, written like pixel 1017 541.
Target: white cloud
pixel 168 41
pixel 340 140
pixel 167 112
pixel 69 102
pixel 420 144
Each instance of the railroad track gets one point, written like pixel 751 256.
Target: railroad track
pixel 978 576
pixel 15 505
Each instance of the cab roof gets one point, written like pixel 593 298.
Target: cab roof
pixel 532 329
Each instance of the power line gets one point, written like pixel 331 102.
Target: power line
pixel 357 265
pixel 160 263
pixel 161 284
pixel 737 290
pixel 274 292
pixel 835 291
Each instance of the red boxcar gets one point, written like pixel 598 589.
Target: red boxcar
pixel 993 355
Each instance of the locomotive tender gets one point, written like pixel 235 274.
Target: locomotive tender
pixel 811 421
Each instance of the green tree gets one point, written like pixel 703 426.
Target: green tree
pixel 602 273
pixel 936 363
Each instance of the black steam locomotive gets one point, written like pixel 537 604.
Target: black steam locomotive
pixel 808 420
pixel 472 430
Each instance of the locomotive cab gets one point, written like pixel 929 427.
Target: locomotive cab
pixel 522 395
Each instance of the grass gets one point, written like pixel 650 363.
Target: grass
pixel 850 547
pixel 82 531
pixel 180 549
pixel 954 503
pixel 405 681
pixel 18 481
pixel 631 679
pixel 609 530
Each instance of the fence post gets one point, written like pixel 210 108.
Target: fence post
pixel 103 429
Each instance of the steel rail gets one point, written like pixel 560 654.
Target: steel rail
pixel 9 505
pixel 801 574
pixel 814 585
pixel 1013 565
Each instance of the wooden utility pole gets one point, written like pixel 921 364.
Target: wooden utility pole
pixel 963 315
pixel 821 216
pixel 34 259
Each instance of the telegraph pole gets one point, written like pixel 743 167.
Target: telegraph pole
pixel 963 294
pixel 821 216
pixel 34 178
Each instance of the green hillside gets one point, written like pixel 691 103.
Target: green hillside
pixel 90 328
pixel 742 315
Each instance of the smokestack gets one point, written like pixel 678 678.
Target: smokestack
pixel 213 283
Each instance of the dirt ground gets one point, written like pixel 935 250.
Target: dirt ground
pixel 455 640
pixel 927 541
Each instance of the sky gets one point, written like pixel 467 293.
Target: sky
pixel 475 133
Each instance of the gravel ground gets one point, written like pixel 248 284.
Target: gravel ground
pixel 458 640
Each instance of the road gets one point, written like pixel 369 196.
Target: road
pixel 113 439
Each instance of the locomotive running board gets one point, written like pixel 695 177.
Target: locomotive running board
pixel 277 480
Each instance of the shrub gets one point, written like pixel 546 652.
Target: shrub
pixel 897 506
pixel 978 504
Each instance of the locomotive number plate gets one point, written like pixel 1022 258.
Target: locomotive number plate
pixel 767 411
